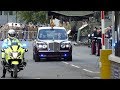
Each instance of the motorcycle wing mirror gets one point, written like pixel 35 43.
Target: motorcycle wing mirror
pixel 26 50
pixel 2 50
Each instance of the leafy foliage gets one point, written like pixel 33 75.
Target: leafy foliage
pixel 32 16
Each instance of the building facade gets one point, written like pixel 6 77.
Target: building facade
pixel 8 16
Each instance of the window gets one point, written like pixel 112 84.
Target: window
pixel 5 12
pixel 50 34
pixel 10 12
pixel 0 12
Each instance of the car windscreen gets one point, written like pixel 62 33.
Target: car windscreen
pixel 52 34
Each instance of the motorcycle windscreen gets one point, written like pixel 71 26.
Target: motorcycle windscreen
pixel 15 62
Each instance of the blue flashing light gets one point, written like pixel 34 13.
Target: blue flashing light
pixel 4 46
pixel 65 55
pixel 41 55
pixel 24 45
pixel 114 44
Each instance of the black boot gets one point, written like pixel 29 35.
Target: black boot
pixel 4 72
pixel 24 63
pixel 3 76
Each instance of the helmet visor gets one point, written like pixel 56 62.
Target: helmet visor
pixel 12 35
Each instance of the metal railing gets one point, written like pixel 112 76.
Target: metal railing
pixel 20 34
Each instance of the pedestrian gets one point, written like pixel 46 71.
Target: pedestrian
pixel 94 32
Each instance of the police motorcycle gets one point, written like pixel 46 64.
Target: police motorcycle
pixel 14 58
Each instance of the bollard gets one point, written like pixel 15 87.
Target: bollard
pixel 105 70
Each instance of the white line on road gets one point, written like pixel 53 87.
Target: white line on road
pixel 90 71
pixel 96 77
pixel 65 62
pixel 79 67
pixel 75 66
pixel 37 78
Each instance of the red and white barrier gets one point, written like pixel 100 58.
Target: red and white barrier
pixel 103 29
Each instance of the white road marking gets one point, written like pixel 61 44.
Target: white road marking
pixel 79 67
pixel 96 77
pixel 75 66
pixel 37 78
pixel 65 62
pixel 90 71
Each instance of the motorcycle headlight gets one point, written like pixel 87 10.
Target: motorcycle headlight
pixel 15 54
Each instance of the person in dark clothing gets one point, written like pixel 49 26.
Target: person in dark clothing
pixel 99 33
pixel 74 32
pixel 25 30
pixel 98 42
pixel 95 31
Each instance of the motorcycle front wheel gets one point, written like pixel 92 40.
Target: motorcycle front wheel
pixel 14 73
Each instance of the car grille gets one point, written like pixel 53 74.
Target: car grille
pixel 54 46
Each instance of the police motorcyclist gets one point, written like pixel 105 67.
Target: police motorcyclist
pixel 6 43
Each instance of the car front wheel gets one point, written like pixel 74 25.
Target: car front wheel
pixel 69 58
pixel 36 58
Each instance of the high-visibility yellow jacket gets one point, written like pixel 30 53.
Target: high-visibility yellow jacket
pixel 8 42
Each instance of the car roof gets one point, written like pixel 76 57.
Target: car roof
pixel 50 28
pixel 13 24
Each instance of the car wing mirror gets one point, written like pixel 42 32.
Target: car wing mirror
pixel 68 32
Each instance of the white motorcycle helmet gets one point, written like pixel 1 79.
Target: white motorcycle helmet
pixel 11 33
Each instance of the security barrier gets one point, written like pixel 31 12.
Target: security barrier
pixel 20 34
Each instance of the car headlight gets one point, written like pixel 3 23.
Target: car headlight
pixel 39 46
pixel 62 45
pixel 65 45
pixel 42 46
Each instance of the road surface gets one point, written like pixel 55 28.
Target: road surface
pixel 83 66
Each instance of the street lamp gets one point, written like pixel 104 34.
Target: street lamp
pixel 16 16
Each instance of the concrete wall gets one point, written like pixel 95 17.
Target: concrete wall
pixel 115 70
pixel 115 66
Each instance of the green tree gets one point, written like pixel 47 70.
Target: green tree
pixel 32 16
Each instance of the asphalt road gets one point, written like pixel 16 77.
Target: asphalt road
pixel 83 66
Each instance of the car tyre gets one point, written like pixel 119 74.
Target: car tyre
pixel 69 58
pixel 36 58
pixel 33 56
